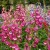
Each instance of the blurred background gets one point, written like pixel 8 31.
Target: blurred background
pixel 13 3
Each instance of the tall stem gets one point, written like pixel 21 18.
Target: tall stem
pixel 44 3
pixel 11 2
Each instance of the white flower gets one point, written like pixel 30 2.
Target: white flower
pixel 39 49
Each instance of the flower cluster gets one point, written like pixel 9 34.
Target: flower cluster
pixel 12 33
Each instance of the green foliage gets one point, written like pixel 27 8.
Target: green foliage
pixel 32 1
pixel 4 47
pixel 15 2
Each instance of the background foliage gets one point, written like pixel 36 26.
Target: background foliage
pixel 7 3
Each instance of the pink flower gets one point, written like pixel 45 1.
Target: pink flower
pixel 48 12
pixel 49 39
pixel 3 39
pixel 16 49
pixel 39 21
pixel 10 37
pixel 23 24
pixel 7 43
pixel 27 30
pixel 36 40
pixel 4 27
pixel 14 38
pixel 32 14
pixel 48 46
pixel 15 46
pixel 18 35
pixel 19 14
pixel 28 37
pixel 38 16
pixel 37 12
pixel 26 47
pixel 45 42
pixel 32 22
pixel 34 45
pixel 0 35
pixel 35 28
pixel 3 36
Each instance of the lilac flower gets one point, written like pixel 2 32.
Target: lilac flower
pixel 48 19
